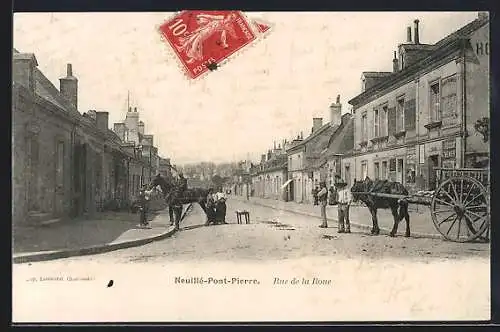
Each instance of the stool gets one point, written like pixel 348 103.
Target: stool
pixel 244 213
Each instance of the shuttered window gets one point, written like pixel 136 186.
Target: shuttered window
pixel 410 114
pixel 448 99
pixel 364 128
pixel 435 107
pixel 376 124
pixel 383 121
pixel 400 115
pixel 391 121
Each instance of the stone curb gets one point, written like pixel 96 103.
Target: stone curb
pixel 357 225
pixel 98 249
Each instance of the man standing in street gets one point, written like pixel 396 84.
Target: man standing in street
pixel 344 202
pixel 323 197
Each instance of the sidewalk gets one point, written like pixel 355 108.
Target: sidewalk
pixel 109 231
pixel 421 224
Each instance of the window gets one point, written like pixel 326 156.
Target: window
pixel 400 171
pixel 448 99
pixel 364 170
pixel 384 171
pixel 435 109
pixel 376 122
pixel 383 122
pixel 376 170
pixel 364 128
pixel 392 170
pixel 60 164
pixel 400 115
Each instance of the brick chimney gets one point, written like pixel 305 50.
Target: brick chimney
pixel 395 63
pixel 335 112
pixel 23 70
pixel 417 40
pixel 102 119
pixel 408 35
pixel 69 86
pixel 317 123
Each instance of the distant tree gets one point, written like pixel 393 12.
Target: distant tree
pixel 217 180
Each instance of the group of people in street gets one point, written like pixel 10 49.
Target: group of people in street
pixel 341 196
pixel 216 207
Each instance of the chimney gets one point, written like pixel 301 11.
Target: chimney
pixel 102 119
pixel 408 35
pixel 417 41
pixel 395 63
pixel 23 70
pixel 335 112
pixel 69 86
pixel 317 123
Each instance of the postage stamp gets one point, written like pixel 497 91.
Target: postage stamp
pixel 202 39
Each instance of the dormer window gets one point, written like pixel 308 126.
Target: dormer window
pixel 363 84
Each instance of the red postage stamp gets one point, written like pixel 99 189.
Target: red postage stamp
pixel 202 39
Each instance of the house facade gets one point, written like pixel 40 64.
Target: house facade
pixel 306 157
pixel 270 176
pixel 64 164
pixel 421 116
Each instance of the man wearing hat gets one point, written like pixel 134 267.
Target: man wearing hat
pixel 344 200
pixel 322 197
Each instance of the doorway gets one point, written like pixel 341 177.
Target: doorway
pixel 400 171
pixel 32 176
pixel 80 179
pixel 433 162
pixel 291 191
pixel 347 175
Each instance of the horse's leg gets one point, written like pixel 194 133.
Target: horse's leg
pixel 407 218
pixel 395 214
pixel 375 230
pixel 178 214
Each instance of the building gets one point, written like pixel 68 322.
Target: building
pixel 423 115
pixel 131 131
pixel 306 157
pixel 270 176
pixel 164 167
pixel 64 164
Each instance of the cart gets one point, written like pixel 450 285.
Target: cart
pixel 460 206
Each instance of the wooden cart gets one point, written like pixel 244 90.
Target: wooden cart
pixel 460 206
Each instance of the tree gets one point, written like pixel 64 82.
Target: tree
pixel 217 180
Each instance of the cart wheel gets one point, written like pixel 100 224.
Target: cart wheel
pixel 460 209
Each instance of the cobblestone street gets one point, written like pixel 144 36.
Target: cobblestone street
pixel 397 278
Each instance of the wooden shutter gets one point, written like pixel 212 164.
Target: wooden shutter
pixel 410 113
pixel 392 120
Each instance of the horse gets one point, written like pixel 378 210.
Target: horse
pixel 176 200
pixel 399 207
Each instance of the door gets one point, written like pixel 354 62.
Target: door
pixel 400 171
pixel 79 179
pixel 433 162
pixel 33 157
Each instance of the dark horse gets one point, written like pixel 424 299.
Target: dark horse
pixel 176 200
pixel 399 208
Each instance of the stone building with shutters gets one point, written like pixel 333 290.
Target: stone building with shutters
pixel 64 164
pixel 270 176
pixel 309 157
pixel 424 114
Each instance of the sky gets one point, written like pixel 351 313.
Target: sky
pixel 268 92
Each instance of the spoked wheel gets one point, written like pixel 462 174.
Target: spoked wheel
pixel 460 209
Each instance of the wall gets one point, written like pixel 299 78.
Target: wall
pixel 477 89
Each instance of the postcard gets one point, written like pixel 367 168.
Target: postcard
pixel 232 166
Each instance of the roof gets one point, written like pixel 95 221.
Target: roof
pixel 429 52
pixel 315 134
pixel 376 73
pixel 340 142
